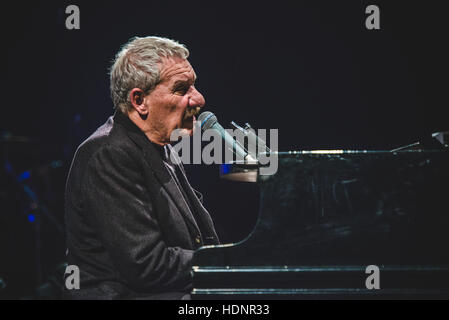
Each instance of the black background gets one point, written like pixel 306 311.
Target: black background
pixel 308 68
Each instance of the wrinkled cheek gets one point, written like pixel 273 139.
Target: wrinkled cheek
pixel 177 116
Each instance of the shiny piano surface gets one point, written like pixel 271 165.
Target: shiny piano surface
pixel 325 216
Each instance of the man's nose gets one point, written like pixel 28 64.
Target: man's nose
pixel 197 99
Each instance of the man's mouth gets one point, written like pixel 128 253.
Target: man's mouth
pixel 188 122
pixel 191 112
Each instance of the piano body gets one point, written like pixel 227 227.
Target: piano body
pixel 325 217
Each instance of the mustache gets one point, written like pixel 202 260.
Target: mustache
pixel 191 111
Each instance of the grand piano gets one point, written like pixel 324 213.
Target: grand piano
pixel 326 218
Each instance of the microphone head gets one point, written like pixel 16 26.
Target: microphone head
pixel 207 120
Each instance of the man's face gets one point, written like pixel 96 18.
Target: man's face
pixel 174 103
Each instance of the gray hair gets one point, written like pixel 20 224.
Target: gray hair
pixel 137 66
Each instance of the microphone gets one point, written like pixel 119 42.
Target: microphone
pixel 255 140
pixel 255 144
pixel 209 121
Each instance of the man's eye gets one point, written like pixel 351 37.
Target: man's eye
pixel 181 90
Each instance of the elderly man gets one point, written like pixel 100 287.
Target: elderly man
pixel 133 221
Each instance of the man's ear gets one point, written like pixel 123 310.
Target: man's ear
pixel 136 96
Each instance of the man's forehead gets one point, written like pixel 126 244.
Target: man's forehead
pixel 176 69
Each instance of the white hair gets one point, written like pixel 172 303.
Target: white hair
pixel 137 65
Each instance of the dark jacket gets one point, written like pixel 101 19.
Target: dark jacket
pixel 129 229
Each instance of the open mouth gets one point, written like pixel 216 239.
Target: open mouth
pixel 191 112
pixel 189 118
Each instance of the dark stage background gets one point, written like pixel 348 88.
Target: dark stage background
pixel 308 68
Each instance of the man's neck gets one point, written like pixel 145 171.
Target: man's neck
pixel 143 125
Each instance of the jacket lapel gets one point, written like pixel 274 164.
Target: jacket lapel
pixel 210 236
pixel 155 161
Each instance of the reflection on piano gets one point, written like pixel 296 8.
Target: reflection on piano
pixel 326 216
